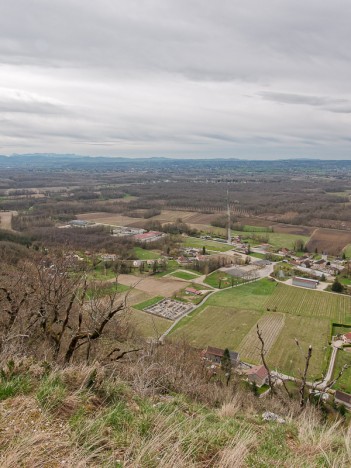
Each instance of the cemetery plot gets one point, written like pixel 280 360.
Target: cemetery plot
pixel 169 308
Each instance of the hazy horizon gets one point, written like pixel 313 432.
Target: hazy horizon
pixel 177 79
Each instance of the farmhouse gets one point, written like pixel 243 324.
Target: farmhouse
pixel 342 398
pixel 347 338
pixel 304 282
pixel 150 236
pixel 215 355
pixel 257 375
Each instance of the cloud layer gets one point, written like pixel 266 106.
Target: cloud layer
pixel 184 78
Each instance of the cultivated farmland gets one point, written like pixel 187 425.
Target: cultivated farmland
pixel 330 241
pixel 298 301
pixel 270 326
pixel 216 326
pixel 286 356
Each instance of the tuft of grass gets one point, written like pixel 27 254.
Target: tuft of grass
pixel 16 385
pixel 51 392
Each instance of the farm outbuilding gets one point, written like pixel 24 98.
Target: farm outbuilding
pixel 304 282
pixel 216 354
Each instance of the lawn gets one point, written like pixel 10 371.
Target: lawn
pixel 208 244
pixel 148 325
pixel 185 275
pixel 342 358
pixel 216 326
pixel 143 254
pixel 251 296
pixel 298 301
pixel 148 303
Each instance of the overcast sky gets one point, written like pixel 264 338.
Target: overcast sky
pixel 187 78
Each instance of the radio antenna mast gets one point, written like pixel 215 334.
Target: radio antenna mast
pixel 229 223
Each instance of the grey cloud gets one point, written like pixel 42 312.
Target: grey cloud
pixel 176 76
pixel 290 98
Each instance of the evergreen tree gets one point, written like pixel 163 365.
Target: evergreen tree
pixel 226 365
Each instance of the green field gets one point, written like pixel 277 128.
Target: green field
pixel 142 254
pixel 285 354
pixel 220 280
pixel 252 296
pixel 342 358
pixel 298 301
pixel 229 317
pixel 208 244
pixel 216 326
pixel 148 325
pixel 185 275
pixel 148 303
pixel 276 239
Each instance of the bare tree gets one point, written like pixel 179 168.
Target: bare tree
pixel 304 374
pixel 264 362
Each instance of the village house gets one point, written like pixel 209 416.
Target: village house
pixel 193 291
pixel 346 338
pixel 257 375
pixel 342 398
pixel 215 355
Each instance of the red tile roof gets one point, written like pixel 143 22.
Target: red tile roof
pixel 147 235
pixel 347 335
pixel 260 371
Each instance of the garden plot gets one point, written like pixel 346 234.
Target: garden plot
pixel 169 308
pixel 270 327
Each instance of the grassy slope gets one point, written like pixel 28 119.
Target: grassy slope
pixel 57 421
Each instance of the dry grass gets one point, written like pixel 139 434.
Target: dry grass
pixel 132 415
